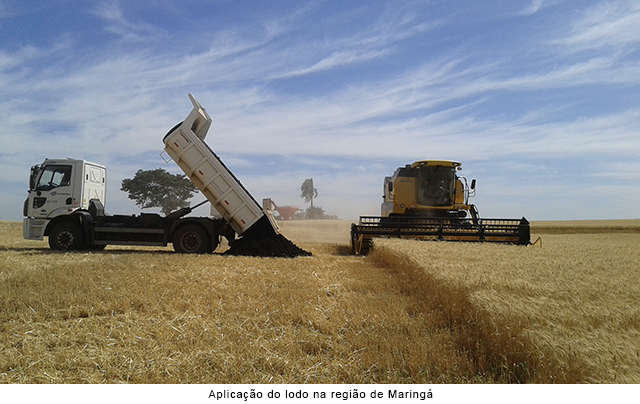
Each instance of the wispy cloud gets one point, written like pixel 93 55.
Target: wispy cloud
pixel 533 7
pixel 23 56
pixel 339 58
pixel 612 25
pixel 125 28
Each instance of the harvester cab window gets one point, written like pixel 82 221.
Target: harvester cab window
pixel 54 177
pixel 436 186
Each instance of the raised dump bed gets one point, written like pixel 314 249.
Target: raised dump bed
pixel 185 145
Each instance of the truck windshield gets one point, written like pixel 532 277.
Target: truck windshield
pixel 54 177
pixel 436 186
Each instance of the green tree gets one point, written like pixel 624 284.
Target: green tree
pixel 159 188
pixel 308 191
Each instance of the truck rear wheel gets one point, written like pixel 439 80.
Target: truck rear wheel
pixel 66 236
pixel 191 239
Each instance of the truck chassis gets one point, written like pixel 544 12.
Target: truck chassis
pixel 84 230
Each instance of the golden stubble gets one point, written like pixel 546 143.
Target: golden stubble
pixel 413 312
pixel 576 297
pixel 147 315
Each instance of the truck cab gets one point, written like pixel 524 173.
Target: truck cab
pixel 58 187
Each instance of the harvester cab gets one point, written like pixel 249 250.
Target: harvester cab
pixel 429 200
pixel 428 188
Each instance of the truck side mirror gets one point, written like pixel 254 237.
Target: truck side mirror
pixel 32 177
pixel 473 184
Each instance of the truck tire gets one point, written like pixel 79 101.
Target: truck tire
pixel 66 236
pixel 191 239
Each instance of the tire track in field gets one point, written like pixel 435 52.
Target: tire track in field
pixel 497 348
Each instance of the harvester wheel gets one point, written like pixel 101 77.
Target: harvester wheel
pixel 191 239
pixel 366 246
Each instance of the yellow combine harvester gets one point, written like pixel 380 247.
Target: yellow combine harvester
pixel 428 200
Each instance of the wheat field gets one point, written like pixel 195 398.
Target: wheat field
pixel 576 298
pixel 562 311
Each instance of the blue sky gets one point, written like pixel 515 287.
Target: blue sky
pixel 539 99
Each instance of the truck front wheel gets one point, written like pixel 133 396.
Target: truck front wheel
pixel 66 236
pixel 191 239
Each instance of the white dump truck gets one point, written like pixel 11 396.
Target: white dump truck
pixel 67 198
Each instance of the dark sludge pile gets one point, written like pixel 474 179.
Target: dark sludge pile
pixel 274 246
pixel 262 241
